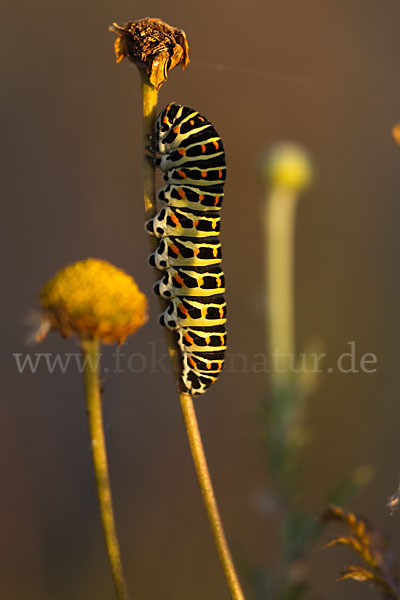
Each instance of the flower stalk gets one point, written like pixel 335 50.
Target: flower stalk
pixel 97 302
pixel 279 226
pixel 90 349
pixel 210 503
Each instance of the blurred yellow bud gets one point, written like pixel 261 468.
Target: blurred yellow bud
pixel 93 299
pixel 289 166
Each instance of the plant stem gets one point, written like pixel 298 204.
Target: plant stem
pixel 149 96
pixel 90 349
pixel 149 99
pixel 279 225
pixel 210 503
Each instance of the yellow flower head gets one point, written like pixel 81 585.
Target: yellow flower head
pixel 289 166
pixel 93 299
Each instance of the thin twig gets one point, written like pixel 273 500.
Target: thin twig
pixel 90 349
pixel 210 503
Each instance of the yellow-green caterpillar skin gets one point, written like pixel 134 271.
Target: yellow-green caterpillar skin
pixel 192 157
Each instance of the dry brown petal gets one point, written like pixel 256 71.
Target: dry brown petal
pixel 153 46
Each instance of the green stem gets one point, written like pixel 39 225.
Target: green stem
pixel 210 503
pixel 279 227
pixel 149 96
pixel 90 349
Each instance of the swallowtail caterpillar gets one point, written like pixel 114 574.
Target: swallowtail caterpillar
pixel 191 155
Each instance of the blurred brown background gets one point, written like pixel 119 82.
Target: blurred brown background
pixel 324 74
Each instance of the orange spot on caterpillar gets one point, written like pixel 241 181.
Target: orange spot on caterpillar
pixel 182 174
pixel 181 193
pixel 182 309
pixel 182 151
pixel 221 337
pixel 221 313
pixel 218 281
pixel 175 220
pixel 192 362
pixel 203 148
pixel 189 338
pixel 176 130
pixel 165 120
pixel 201 198
pixel 178 279
pixel 191 122
pixel 216 201
pixel 195 223
pixel 209 366
pixel 174 249
pixel 201 119
pixel 208 340
pixel 216 145
pixel 200 281
pixel 204 173
pixel 196 251
pixel 219 174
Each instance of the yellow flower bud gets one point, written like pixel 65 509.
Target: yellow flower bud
pixel 93 299
pixel 289 166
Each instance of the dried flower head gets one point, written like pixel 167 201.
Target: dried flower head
pixel 153 46
pixel 93 299
pixel 289 166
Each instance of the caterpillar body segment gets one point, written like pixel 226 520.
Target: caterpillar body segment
pixel 196 311
pixel 183 281
pixel 192 158
pixel 173 251
pixel 202 339
pixel 193 197
pixel 211 363
pixel 183 222
pixel 197 175
pixel 199 154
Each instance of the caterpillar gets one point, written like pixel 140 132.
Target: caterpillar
pixel 191 155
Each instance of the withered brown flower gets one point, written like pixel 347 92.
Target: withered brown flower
pixel 153 46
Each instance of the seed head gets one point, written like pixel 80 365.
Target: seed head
pixel 93 299
pixel 153 46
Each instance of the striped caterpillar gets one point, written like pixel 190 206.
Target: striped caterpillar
pixel 192 158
